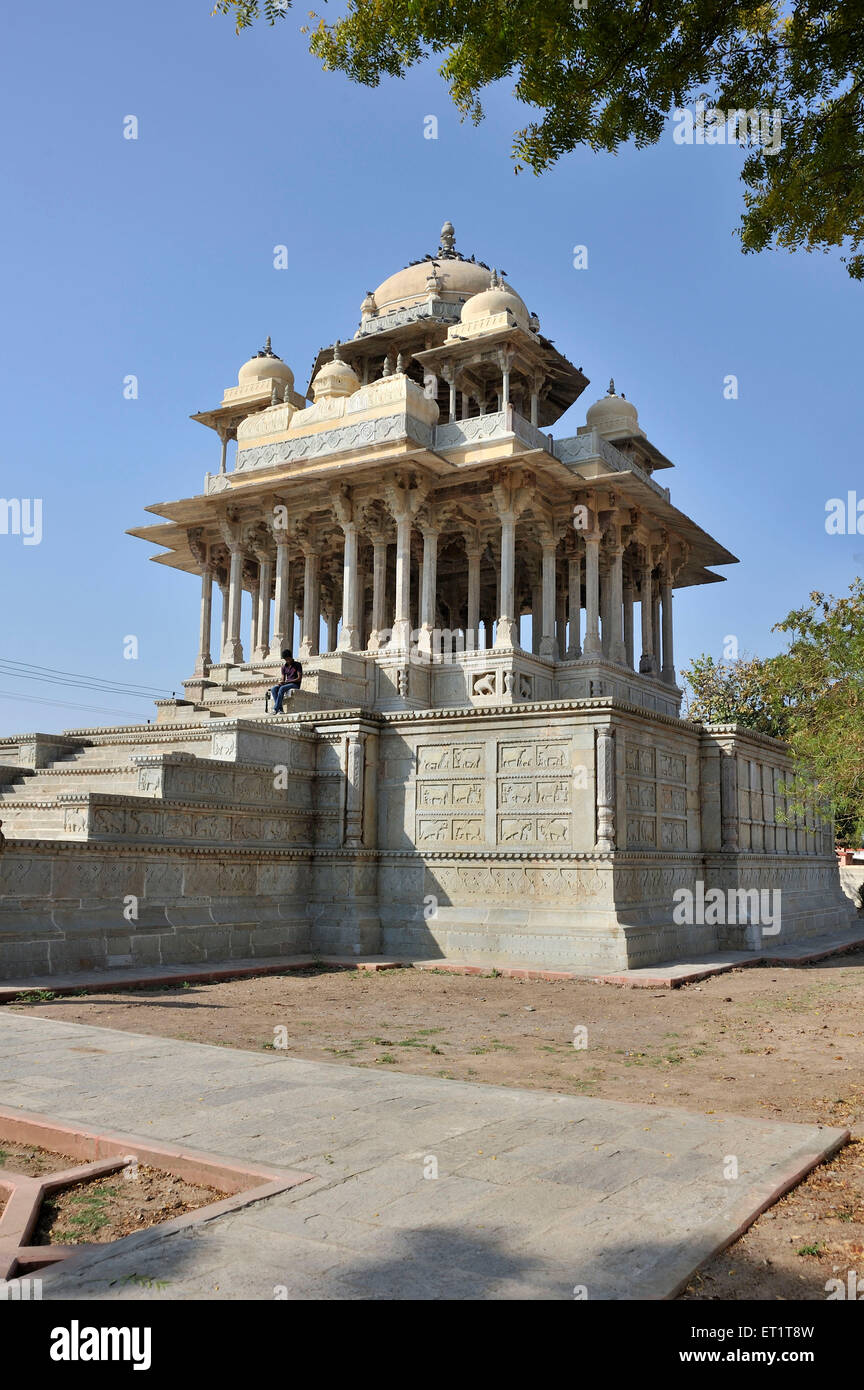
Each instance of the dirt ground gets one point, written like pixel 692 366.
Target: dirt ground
pixel 107 1208
pixel 102 1209
pixel 783 1043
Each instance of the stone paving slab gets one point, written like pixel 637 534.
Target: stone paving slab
pixel 667 975
pixel 536 1193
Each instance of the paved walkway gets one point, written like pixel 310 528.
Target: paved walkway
pixel 536 1193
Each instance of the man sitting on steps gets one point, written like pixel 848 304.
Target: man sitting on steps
pixel 292 675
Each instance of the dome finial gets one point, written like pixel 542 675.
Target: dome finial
pixel 267 348
pixel 337 355
pixel 611 391
pixel 448 240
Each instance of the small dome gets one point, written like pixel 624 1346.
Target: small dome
pixel 265 366
pixel 613 416
pixel 335 378
pixel 495 299
pixel 368 307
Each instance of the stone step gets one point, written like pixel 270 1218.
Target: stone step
pixel 116 783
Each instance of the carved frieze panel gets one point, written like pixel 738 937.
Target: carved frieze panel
pixel 446 757
pixel 673 800
pixel 528 792
pixel 520 882
pixel 534 830
pixel 673 834
pixel 641 831
pixel 440 795
pixel 75 820
pixel 640 761
pixel 525 757
pixel 671 767
pixel 445 830
pixel 641 796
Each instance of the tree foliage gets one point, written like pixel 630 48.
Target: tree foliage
pixel 811 694
pixel 611 71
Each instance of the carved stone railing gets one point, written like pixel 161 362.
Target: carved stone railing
pixel 459 434
pixel 439 310
pixel 345 438
pixel 581 447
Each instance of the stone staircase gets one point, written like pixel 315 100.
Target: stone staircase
pixel 45 802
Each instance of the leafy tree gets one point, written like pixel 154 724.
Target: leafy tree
pixel 603 72
pixel 822 677
pixel 735 692
pixel 812 695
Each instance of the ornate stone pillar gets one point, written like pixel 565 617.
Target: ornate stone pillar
pixel 283 614
pixel 605 789
pixel 401 639
pixel 473 554
pixel 668 669
pixel 655 622
pixel 379 589
pixel 505 362
pixel 729 800
pixel 200 550
pixel 403 499
pixel 592 645
pixel 354 780
pixel 343 508
pixel 449 376
pixel 429 588
pixel 536 617
pixel 225 433
pixel 646 588
pixel 349 637
pixel 252 582
pixel 507 634
pixel 604 603
pixel 628 622
pixel 574 604
pixel 311 600
pixel 223 633
pixel 265 578
pixel 548 640
pixel 203 661
pixel 232 652
pixel 561 618
pixel 617 650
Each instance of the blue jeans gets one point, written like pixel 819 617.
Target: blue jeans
pixel 279 692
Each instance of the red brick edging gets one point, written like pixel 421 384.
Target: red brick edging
pixel 106 1152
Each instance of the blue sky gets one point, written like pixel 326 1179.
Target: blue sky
pixel 154 257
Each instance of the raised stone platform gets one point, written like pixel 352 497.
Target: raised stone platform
pixel 556 835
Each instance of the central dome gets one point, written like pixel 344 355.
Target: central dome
pixel 458 278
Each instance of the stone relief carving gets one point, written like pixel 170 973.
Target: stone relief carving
pixel 447 757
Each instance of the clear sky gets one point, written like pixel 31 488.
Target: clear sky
pixel 154 258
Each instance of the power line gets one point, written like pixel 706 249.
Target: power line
pixel 63 704
pixel 20 670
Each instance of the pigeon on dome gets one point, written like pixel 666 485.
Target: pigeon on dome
pixel 265 365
